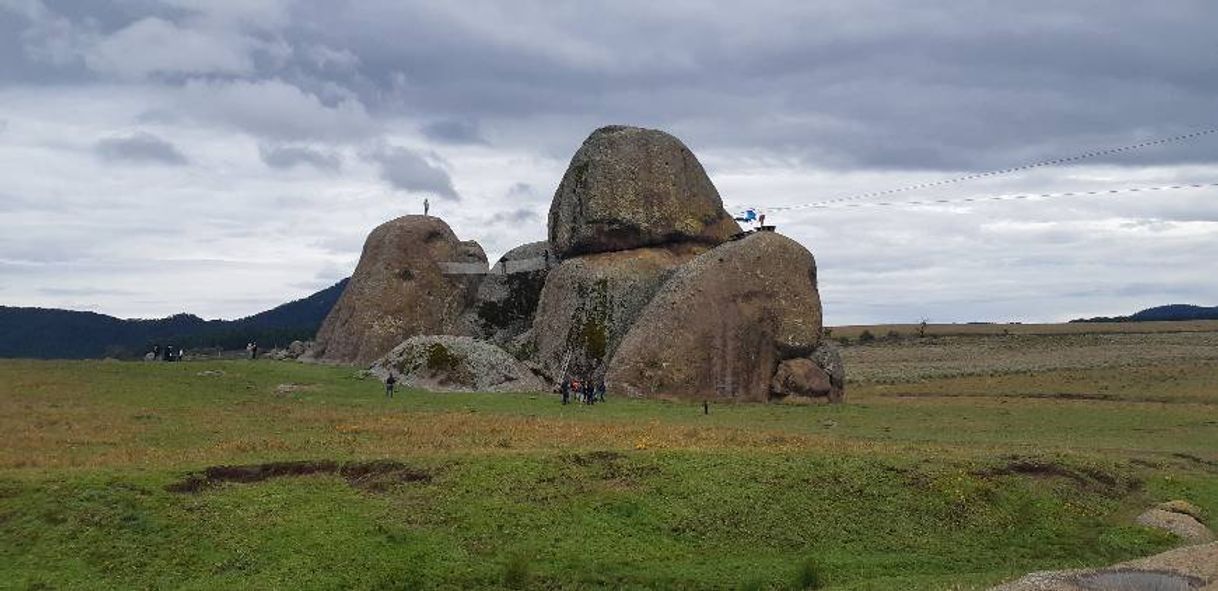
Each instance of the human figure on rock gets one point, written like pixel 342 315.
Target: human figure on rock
pixel 426 206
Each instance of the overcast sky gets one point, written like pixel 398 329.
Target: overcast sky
pixel 220 157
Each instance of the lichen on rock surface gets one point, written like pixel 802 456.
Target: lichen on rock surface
pixel 590 302
pixel 453 363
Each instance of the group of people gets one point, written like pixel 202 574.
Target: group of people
pixel 583 391
pixel 168 353
pixel 252 349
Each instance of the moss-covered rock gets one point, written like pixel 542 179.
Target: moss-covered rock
pixel 590 302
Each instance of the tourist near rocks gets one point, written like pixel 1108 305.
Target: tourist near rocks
pixel 645 286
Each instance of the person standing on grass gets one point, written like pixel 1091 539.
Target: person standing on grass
pixel 565 388
pixel 389 383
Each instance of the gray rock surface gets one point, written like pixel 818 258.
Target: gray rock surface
pixel 414 277
pixel 629 187
pixel 507 296
pixel 1185 569
pixel 1182 525
pixel 452 363
pixel 722 324
pixel 590 302
pixel 828 356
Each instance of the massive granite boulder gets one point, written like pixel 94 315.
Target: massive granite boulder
pixel 719 327
pixel 590 302
pixel 507 296
pixel 450 363
pixel 629 187
pixel 414 277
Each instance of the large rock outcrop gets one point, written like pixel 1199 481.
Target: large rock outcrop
pixel 507 296
pixel 448 363
pixel 724 321
pixel 590 302
pixel 414 278
pixel 629 187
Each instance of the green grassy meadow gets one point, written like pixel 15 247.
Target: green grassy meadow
pixel 946 469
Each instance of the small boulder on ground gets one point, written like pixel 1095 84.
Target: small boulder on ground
pixel 722 324
pixel 450 363
pixel 800 377
pixel 414 277
pixel 629 187
pixel 1182 525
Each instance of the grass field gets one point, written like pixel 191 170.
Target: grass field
pixel 957 462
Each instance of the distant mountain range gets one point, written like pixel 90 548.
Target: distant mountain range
pixel 46 333
pixel 1160 313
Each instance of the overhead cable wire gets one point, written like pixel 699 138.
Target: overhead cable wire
pixel 979 175
pixel 1014 197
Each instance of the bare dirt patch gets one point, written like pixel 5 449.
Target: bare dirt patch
pixel 374 476
pixel 1085 478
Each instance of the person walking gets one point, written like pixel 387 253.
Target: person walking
pixel 390 382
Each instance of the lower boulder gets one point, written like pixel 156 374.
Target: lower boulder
pixel 455 364
pixel 590 302
pixel 723 323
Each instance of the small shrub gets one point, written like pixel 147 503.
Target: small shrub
pixel 866 337
pixel 809 576
pixel 516 572
pixel 893 335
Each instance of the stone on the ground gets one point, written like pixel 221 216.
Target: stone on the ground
pixel 507 296
pixel 590 302
pixel 828 356
pixel 629 187
pixel 414 277
pixel 1182 525
pixel 1185 507
pixel 452 363
pixel 722 324
pixel 800 377
pixel 1187 569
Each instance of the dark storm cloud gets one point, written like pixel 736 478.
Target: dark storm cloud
pixel 925 85
pixel 283 157
pixel 408 171
pixel 139 147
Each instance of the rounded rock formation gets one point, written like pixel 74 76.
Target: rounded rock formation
pixel 800 377
pixel 414 277
pixel 590 302
pixel 629 187
pixel 722 324
pixel 455 364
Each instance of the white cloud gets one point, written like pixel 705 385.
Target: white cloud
pixel 156 46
